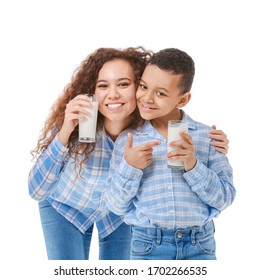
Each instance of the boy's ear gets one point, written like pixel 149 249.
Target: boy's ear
pixel 185 98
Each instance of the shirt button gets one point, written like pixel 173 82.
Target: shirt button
pixel 171 211
pixel 180 235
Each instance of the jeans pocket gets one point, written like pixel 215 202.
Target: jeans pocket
pixel 141 246
pixel 206 244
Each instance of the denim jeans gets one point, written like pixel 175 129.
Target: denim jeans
pixel 196 243
pixel 63 241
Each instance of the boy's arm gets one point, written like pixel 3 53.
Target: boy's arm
pixel 46 171
pixel 123 182
pixel 213 183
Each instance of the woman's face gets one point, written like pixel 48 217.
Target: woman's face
pixel 115 90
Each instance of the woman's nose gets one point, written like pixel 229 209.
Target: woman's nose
pixel 113 92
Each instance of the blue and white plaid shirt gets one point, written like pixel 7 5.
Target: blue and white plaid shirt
pixel 77 198
pixel 158 196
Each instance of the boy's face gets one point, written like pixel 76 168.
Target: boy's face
pixel 158 95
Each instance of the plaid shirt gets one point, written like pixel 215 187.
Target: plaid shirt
pixel 75 196
pixel 158 196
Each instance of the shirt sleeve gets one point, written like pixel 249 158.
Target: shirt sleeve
pixel 122 184
pixel 46 170
pixel 213 184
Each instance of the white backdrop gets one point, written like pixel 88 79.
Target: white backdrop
pixel 42 42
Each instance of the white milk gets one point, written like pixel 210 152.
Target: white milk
pixel 87 128
pixel 174 128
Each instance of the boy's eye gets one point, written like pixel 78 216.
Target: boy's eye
pixel 159 93
pixel 143 87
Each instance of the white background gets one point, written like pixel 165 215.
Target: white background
pixel 42 43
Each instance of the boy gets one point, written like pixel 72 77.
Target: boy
pixel 171 210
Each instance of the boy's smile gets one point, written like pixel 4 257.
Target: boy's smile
pixel 146 107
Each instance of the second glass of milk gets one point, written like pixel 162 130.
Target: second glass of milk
pixel 174 129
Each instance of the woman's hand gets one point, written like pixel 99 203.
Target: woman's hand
pixel 75 111
pixel 222 142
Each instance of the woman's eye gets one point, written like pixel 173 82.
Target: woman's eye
pixel 124 84
pixel 102 86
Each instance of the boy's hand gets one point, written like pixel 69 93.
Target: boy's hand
pixel 184 151
pixel 140 156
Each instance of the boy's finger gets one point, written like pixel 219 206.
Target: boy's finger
pixel 149 145
pixel 129 141
pixel 186 137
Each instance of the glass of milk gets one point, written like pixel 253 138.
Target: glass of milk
pixel 87 127
pixel 174 129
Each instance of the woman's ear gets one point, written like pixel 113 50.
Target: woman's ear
pixel 185 98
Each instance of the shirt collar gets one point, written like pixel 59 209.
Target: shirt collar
pixel 148 129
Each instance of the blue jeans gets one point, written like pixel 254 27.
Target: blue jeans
pixel 196 243
pixel 64 241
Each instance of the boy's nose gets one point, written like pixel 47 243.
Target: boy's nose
pixel 148 97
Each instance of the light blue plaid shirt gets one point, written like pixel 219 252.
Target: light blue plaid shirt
pixel 158 196
pixel 77 198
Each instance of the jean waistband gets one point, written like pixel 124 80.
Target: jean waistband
pixel 179 234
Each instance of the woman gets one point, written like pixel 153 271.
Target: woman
pixel 68 177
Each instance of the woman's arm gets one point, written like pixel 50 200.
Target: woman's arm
pixel 221 143
pixel 46 170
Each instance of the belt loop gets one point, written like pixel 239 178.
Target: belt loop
pixel 193 236
pixel 158 236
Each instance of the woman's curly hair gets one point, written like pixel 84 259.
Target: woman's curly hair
pixel 84 81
